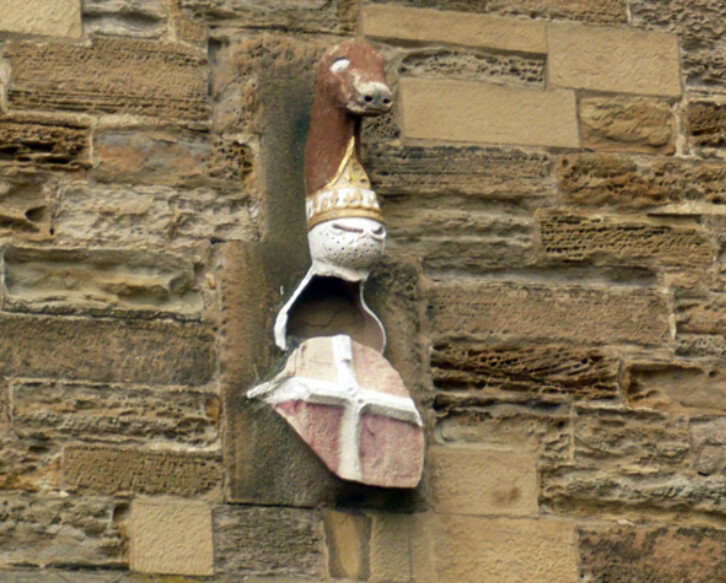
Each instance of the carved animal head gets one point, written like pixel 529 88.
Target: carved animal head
pixel 353 76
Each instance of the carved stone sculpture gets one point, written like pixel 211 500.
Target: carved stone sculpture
pixel 337 390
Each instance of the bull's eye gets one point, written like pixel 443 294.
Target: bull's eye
pixel 339 65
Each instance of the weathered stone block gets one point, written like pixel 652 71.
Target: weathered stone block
pixel 4 404
pixel 547 372
pixel 623 553
pixel 120 215
pixel 469 171
pixel 390 548
pixel 107 351
pixel 473 65
pixel 701 314
pixel 611 59
pixel 347 539
pixel 28 463
pixel 112 75
pixel 708 440
pixel 56 409
pixel 452 548
pixel 513 310
pixel 480 113
pixel 483 482
pixel 25 205
pixel 621 240
pixel 31 140
pixel 706 122
pixel 141 18
pixel 101 283
pixel 46 17
pixel 114 470
pixel 700 345
pixel 604 11
pixel 599 179
pixel 172 159
pixel 267 541
pixel 626 124
pixel 171 536
pixel 675 386
pixel 64 531
pixel 434 26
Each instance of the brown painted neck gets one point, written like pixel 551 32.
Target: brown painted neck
pixel 331 129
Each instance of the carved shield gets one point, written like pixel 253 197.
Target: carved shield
pixel 352 408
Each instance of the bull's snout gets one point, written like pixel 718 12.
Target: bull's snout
pixel 374 97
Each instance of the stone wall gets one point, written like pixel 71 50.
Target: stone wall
pixel 553 177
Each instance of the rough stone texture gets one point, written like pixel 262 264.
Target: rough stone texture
pixel 708 440
pixel 473 65
pixel 45 17
pixel 171 536
pixel 267 541
pixel 538 371
pixel 701 315
pixel 28 464
pixel 700 345
pixel 390 541
pixel 347 538
pixel 113 470
pixel 141 18
pixel 4 403
pixel 451 548
pixel 622 553
pixel 433 26
pixel 112 75
pixel 608 179
pixel 621 240
pixel 604 11
pixel 675 385
pixel 31 140
pixel 120 215
pixel 483 482
pixel 467 171
pixel 25 205
pixel 172 159
pixel 469 112
pixel 699 24
pixel 100 282
pixel 610 59
pixel 626 124
pixel 580 314
pixel 56 409
pixel 706 123
pixel 58 531
pixel 106 351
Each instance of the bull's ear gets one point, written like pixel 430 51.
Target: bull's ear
pixel 340 65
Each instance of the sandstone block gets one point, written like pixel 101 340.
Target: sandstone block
pixel 677 386
pixel 708 440
pixel 59 409
pixel 107 351
pixel 267 541
pixel 453 548
pixel 30 140
pixel 434 26
pixel 47 531
pixel 46 17
pixel 347 538
pixel 609 59
pixel 25 205
pixel 620 240
pixel 171 159
pixel 604 11
pixel 28 463
pixel 622 553
pixel 546 372
pixel 483 482
pixel 474 65
pixel 600 179
pixel 113 75
pixel 100 283
pixel 470 171
pixel 390 548
pixel 114 470
pixel 700 345
pixel 706 123
pixel 469 112
pixel 140 18
pixel 624 124
pixel 581 314
pixel 4 404
pixel 701 315
pixel 116 215
pixel 171 536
